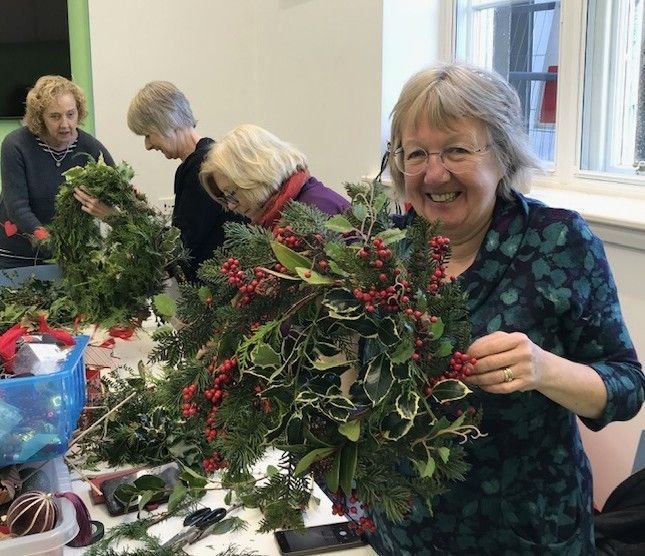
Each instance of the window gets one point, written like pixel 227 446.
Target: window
pixel 519 40
pixel 613 137
pixel 581 53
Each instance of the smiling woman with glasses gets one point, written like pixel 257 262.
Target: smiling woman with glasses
pixel 551 346
pixel 252 172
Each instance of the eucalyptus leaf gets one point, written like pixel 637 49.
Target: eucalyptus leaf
pixel 315 455
pixel 312 277
pixel 289 258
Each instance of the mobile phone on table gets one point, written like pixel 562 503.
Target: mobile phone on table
pixel 317 539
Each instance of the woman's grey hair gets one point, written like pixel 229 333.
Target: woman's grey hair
pixel 255 160
pixel 446 93
pixel 47 89
pixel 159 107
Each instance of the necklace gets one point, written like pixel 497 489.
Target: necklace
pixel 57 156
pixel 58 159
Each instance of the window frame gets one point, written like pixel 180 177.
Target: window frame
pixel 566 172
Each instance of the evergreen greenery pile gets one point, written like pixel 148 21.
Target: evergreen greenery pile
pixel 337 340
pixel 110 277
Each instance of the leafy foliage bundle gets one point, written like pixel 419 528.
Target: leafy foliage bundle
pixel 110 277
pixel 32 298
pixel 339 341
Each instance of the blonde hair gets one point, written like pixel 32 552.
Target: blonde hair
pixel 159 107
pixel 255 160
pixel 47 89
pixel 446 93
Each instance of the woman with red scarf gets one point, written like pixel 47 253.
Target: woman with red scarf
pixel 252 172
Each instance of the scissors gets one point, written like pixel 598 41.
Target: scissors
pixel 198 524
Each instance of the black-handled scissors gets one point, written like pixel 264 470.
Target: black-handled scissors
pixel 198 524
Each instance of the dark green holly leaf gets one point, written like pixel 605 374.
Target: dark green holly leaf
pixel 263 355
pixel 394 427
pixel 342 304
pixel 407 403
pixel 387 332
pixel 378 378
pixel 365 326
pixel 450 390
pixel 444 349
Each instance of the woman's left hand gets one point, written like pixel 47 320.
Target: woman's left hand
pixel 506 362
pixel 92 205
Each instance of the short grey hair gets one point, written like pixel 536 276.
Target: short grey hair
pixel 160 107
pixel 255 160
pixel 445 93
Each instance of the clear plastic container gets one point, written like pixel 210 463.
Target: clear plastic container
pixel 45 410
pixel 50 543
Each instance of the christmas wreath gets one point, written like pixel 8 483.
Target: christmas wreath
pixel 110 277
pixel 338 341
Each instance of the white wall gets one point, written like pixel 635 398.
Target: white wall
pixel 308 70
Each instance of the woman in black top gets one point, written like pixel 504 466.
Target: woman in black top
pixel 161 113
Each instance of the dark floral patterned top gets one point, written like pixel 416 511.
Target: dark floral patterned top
pixel 540 271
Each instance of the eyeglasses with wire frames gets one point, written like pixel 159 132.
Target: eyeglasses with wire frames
pixel 455 159
pixel 224 198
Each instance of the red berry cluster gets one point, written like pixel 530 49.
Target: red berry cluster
pixel 189 408
pixel 460 367
pixel 356 512
pixel 440 246
pixel 215 394
pixel 286 236
pixel 213 463
pixel 391 292
pixel 237 278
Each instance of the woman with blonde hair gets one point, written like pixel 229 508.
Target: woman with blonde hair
pixel 34 158
pixel 254 173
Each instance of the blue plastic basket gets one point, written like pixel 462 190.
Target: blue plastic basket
pixel 40 413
